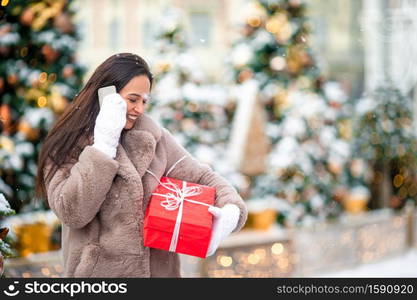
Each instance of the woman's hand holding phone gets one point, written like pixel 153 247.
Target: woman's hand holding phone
pixel 109 123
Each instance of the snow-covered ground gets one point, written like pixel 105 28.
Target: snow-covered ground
pixel 400 266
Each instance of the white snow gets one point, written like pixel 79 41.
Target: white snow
pixel 294 126
pixel 36 115
pixel 285 153
pixel 334 91
pixel 16 162
pixel 4 205
pixel 262 38
pixel 360 191
pixel 32 76
pixel 167 90
pixel 328 136
pixel 365 105
pixel 241 55
pixel 204 154
pixel 340 148
pixel 24 149
pixel 64 89
pixel 306 104
pixel 404 265
pixel 317 202
pixel 10 38
pixel 5 188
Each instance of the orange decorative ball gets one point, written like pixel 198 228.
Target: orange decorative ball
pixel 49 53
pixel 26 18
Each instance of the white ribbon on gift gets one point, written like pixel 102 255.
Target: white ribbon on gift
pixel 175 200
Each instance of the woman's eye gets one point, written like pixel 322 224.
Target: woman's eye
pixel 134 101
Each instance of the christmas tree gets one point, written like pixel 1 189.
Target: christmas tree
pixel 5 250
pixel 307 118
pixel 38 76
pixel 274 50
pixel 386 141
pixel 185 101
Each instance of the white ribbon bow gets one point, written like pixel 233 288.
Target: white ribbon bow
pixel 174 200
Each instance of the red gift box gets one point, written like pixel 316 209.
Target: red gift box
pixel 177 218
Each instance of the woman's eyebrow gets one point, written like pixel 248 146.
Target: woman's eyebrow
pixel 134 94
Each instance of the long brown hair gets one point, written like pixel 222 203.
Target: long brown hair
pixel 72 131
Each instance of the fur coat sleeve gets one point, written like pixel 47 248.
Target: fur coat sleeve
pixel 75 194
pixel 181 165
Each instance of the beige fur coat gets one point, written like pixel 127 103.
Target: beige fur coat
pixel 101 203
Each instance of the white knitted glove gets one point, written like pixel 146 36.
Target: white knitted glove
pixel 225 221
pixel 109 124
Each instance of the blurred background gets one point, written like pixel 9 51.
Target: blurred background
pixel 307 107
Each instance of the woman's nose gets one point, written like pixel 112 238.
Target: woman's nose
pixel 139 108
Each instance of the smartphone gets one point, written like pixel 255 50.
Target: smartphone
pixel 104 91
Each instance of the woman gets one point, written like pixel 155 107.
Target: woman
pixel 92 171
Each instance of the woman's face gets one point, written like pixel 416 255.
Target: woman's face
pixel 136 94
